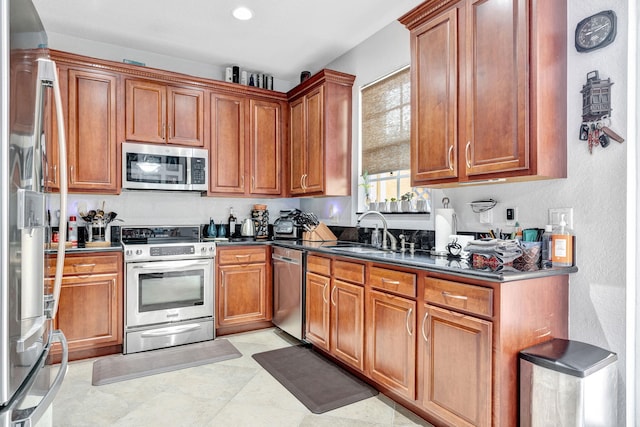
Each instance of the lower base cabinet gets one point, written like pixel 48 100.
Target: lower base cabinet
pixel 454 362
pixel 455 367
pixel 391 343
pixel 243 287
pixel 90 310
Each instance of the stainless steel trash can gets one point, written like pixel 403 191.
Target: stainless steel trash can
pixel 568 383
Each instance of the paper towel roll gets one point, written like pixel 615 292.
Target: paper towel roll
pixel 445 226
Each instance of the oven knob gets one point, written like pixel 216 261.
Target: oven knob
pixel 203 250
pixel 138 251
pixel 127 252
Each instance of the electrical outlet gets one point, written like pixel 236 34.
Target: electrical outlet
pixel 555 215
pixel 511 215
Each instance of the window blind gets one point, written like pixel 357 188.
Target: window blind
pixel 386 123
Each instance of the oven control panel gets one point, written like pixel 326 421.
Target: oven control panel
pixel 134 253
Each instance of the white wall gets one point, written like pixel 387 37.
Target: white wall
pixel 595 187
pixel 150 59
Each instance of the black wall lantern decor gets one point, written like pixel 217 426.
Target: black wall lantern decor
pixel 596 97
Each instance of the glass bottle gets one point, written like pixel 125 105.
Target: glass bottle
pixel 231 223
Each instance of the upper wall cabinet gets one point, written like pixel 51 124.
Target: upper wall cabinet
pixel 320 135
pixel 488 81
pixel 90 101
pixel 161 113
pixel 246 145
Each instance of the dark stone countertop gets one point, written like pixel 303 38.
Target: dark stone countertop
pixel 426 261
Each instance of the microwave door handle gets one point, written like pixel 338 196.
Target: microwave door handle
pixel 31 416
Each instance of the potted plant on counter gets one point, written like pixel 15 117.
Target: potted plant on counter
pixel 406 202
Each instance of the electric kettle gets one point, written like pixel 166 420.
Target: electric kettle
pixel 248 228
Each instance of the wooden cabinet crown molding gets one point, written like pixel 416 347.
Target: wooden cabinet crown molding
pixel 424 11
pixel 323 76
pixel 165 76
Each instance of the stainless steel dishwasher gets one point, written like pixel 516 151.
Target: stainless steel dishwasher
pixel 288 291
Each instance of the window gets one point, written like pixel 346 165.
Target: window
pixel 386 133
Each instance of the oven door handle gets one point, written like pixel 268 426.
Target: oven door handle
pixel 170 265
pixel 172 330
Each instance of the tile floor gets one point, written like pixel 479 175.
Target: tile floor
pixel 232 393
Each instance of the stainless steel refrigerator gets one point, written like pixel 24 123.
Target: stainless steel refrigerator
pixel 27 309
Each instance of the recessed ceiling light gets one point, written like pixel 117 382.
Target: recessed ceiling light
pixel 242 13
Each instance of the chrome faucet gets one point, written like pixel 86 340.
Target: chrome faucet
pixel 385 232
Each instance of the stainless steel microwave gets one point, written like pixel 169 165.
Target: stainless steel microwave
pixel 164 167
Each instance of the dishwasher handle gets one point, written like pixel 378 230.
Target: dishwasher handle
pixel 284 259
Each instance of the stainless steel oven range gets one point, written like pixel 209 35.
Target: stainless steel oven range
pixel 169 287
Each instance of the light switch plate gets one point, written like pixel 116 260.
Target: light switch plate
pixel 555 214
pixel 486 217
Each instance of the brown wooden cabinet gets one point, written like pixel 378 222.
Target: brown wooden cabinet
pixel 391 330
pixel 157 112
pixel 320 135
pixel 317 294
pixel 455 366
pixel 246 145
pixel 487 107
pixel 90 109
pixel 90 311
pixel 347 312
pixel 243 286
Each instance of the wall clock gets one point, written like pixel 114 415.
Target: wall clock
pixel 596 31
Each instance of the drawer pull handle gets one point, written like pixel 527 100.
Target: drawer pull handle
pixel 407 321
pixel 448 295
pixel 424 320
pixel 83 265
pixel 391 282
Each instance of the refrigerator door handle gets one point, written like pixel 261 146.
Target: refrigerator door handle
pixel 48 74
pixel 30 416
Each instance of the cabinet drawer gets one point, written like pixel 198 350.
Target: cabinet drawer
pixel 395 281
pixel 318 264
pixel 349 271
pixel 228 256
pixel 85 264
pixel 459 296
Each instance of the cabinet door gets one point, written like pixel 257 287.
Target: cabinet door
pixel 242 294
pixel 265 147
pixel 297 150
pixel 89 311
pixel 92 144
pixel 317 309
pixel 185 116
pixel 227 151
pixel 347 323
pixel 391 342
pixel 496 86
pixel 434 85
pixel 456 367
pixel 314 175
pixel 145 110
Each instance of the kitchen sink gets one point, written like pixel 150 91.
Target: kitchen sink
pixel 359 250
